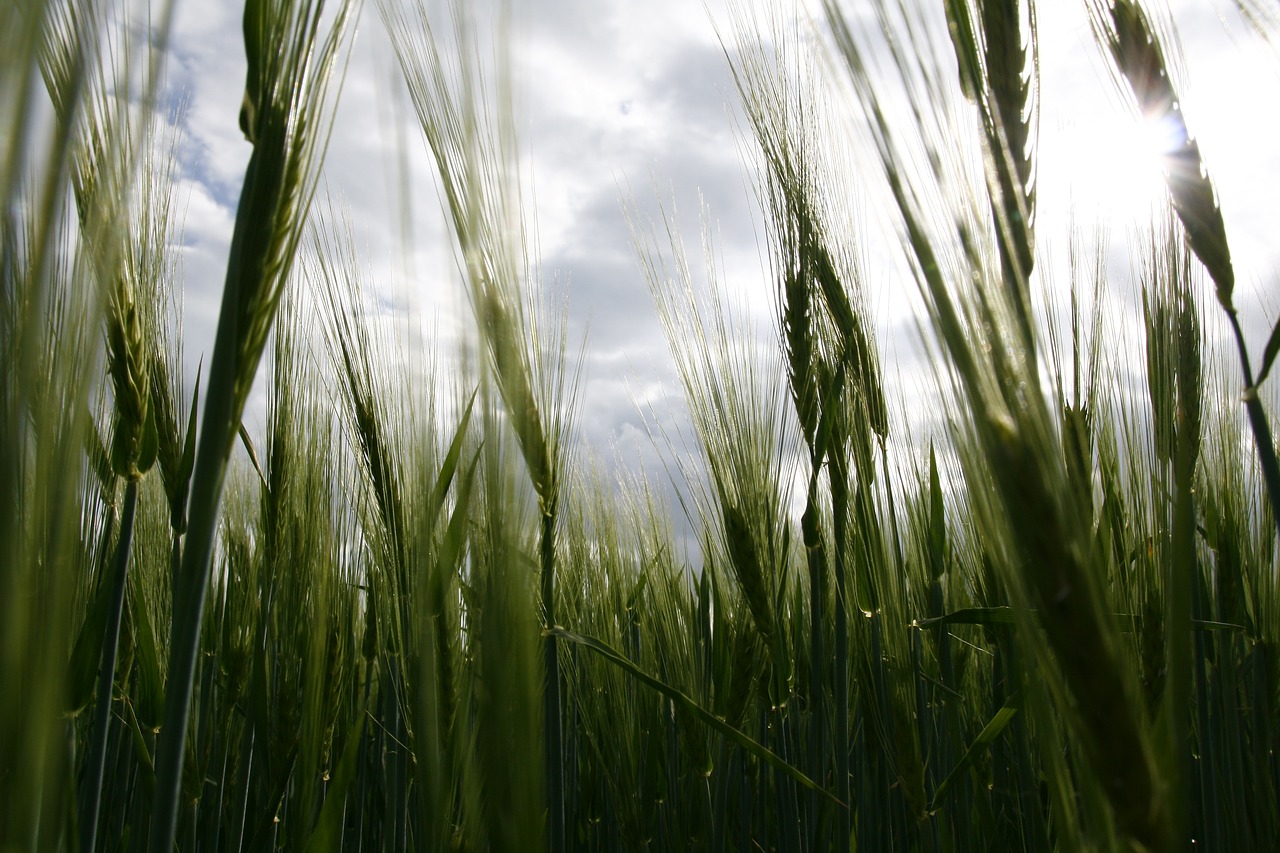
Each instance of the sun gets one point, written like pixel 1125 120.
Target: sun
pixel 1110 163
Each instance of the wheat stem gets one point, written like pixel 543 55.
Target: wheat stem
pixel 289 92
pixel 96 762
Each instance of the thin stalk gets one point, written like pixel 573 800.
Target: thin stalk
pixel 284 118
pixel 191 586
pixel 1205 778
pixel 817 651
pixel 1259 424
pixel 1178 590
pixel 551 692
pixel 842 723
pixel 106 676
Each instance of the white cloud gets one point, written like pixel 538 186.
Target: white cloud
pixel 618 97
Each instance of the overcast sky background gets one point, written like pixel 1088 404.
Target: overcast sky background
pixel 618 94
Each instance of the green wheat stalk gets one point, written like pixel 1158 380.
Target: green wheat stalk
pixel 291 62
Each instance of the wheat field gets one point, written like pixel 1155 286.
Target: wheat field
pixel 410 613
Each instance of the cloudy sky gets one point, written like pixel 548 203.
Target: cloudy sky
pixel 622 99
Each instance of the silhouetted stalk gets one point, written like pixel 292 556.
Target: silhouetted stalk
pixel 817 560
pixel 1259 424
pixel 92 791
pixel 551 688
pixel 290 63
pixel 842 722
pixel 191 586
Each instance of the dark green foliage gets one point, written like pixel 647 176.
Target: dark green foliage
pixel 419 622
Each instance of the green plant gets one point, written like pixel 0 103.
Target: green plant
pixel 414 614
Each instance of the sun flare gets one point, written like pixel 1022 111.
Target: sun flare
pixel 1111 162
